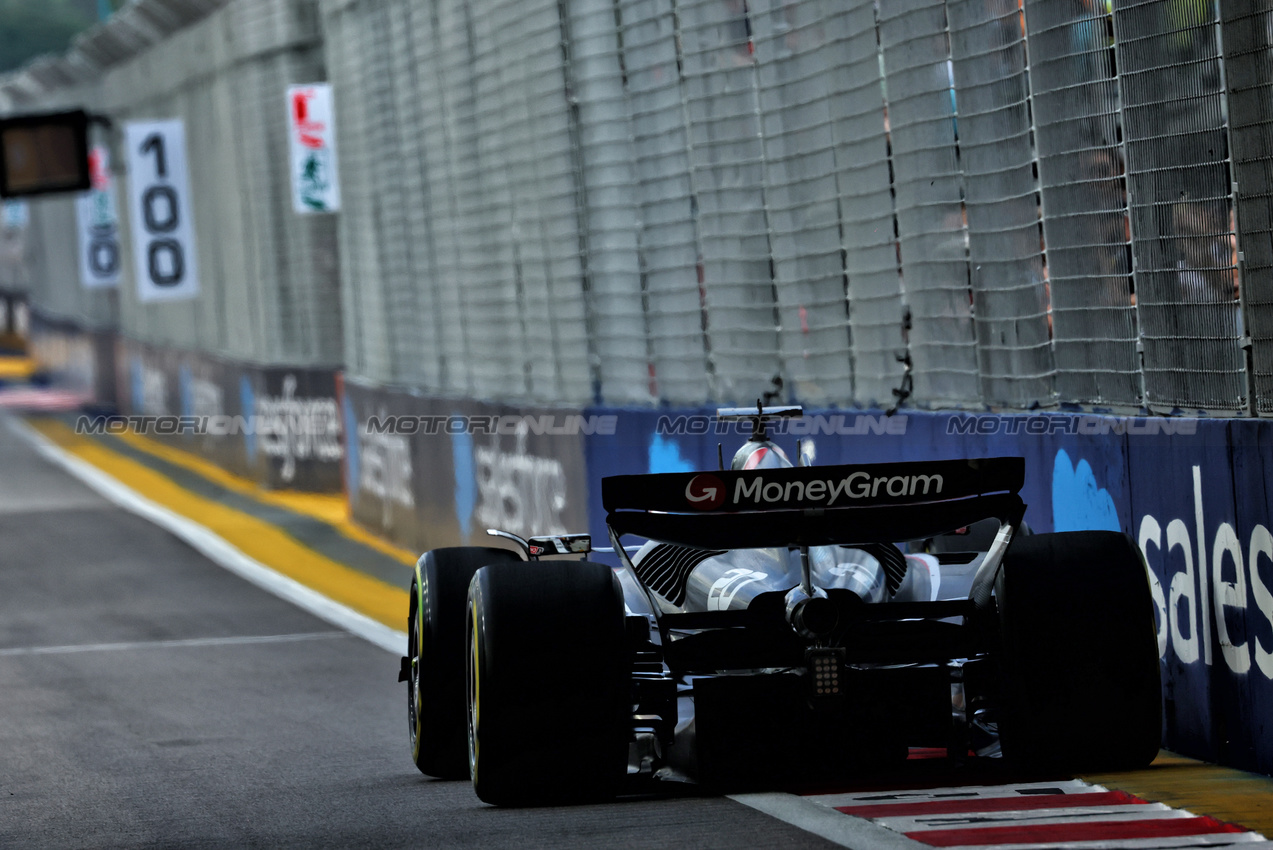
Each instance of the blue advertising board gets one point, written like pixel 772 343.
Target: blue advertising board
pixel 1193 493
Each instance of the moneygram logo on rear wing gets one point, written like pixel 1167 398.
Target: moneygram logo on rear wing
pixel 814 505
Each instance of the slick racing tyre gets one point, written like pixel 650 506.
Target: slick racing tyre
pixel 435 650
pixel 1080 675
pixel 549 685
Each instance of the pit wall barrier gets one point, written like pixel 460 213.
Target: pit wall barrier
pixel 1194 493
pixel 15 320
pixel 277 425
pixel 72 358
pixel 458 467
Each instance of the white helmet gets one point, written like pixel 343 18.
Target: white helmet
pixel 760 454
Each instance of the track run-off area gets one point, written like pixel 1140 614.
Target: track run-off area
pixel 187 662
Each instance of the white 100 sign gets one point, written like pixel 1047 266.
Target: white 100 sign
pixel 159 202
pixel 160 216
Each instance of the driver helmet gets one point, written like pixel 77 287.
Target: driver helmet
pixel 760 454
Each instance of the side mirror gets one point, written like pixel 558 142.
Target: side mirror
pixel 43 154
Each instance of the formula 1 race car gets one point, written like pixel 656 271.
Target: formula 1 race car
pixel 780 624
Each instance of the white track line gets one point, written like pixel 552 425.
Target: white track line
pixel 1212 840
pixel 214 547
pixel 1024 790
pixel 1035 817
pixel 166 644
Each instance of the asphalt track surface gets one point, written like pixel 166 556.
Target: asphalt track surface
pixel 149 698
pixel 140 718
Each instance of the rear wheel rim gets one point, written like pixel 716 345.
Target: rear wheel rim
pixel 413 681
pixel 472 693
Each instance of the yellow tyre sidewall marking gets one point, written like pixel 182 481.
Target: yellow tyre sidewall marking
pixel 475 668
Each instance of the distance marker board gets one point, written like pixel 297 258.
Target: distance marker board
pixel 159 209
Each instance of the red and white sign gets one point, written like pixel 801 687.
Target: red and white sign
pixel 315 180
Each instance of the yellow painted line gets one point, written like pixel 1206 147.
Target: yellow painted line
pixel 17 368
pixel 1224 793
pixel 330 509
pixel 254 537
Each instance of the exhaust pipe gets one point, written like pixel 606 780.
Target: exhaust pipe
pixel 812 615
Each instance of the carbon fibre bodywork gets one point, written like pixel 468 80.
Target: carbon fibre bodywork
pixel 724 677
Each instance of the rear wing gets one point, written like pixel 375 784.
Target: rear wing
pixel 814 506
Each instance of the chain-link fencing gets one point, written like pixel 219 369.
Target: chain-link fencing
pixel 1247 39
pixel 1171 84
pixel 1083 201
pixel 1009 203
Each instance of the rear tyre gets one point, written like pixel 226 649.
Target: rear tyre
pixel 435 646
pixel 549 686
pixel 1081 683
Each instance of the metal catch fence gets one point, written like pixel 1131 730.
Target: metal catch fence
pixel 1018 203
